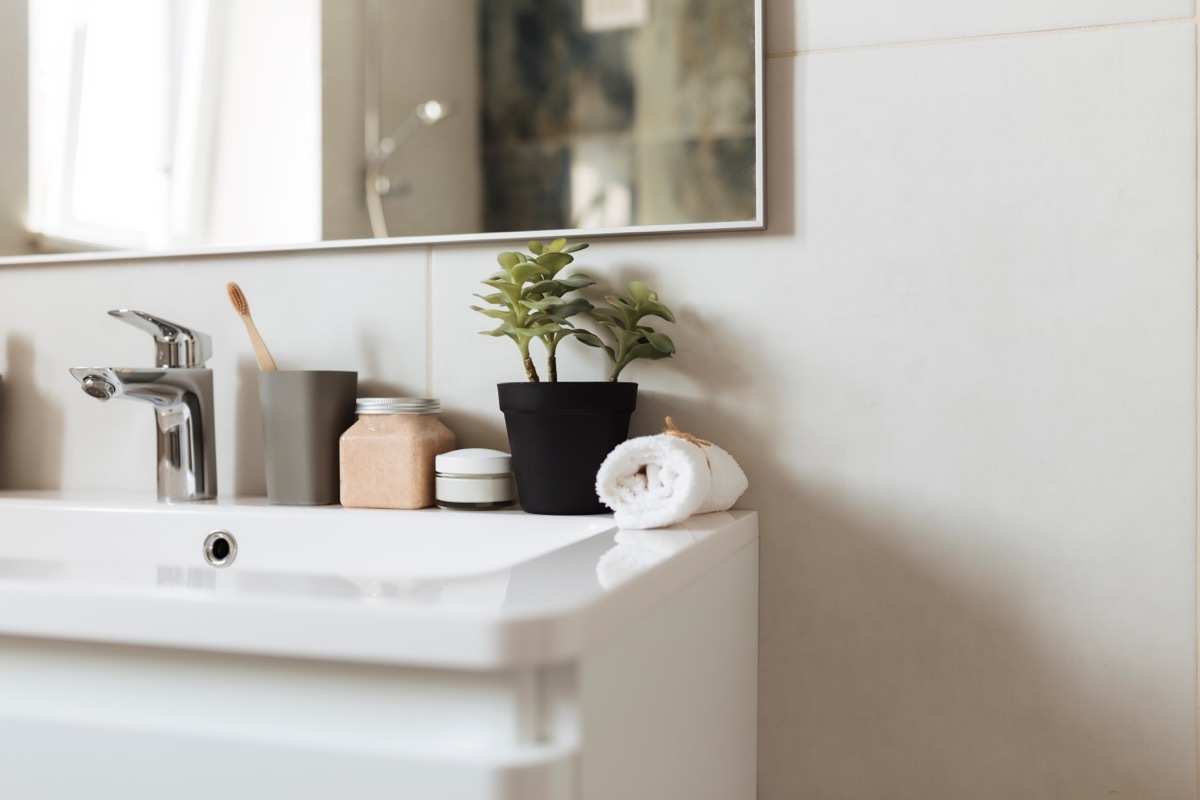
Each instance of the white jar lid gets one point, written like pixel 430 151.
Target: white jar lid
pixel 473 461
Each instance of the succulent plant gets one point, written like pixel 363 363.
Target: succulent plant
pixel 624 319
pixel 530 303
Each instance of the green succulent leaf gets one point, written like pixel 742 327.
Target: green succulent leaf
pixel 647 351
pixel 509 260
pixel 576 281
pixel 545 329
pixel 613 325
pixel 511 292
pixel 628 314
pixel 557 307
pixel 605 317
pixel 554 261
pixel 497 313
pixel 536 247
pixel 575 248
pixel 568 308
pixel 548 287
pixel 503 329
pixel 542 304
pixel 592 340
pixel 656 309
pixel 640 293
pixel 495 299
pixel 557 245
pixel 660 342
pixel 526 271
pixel 588 338
pixel 626 339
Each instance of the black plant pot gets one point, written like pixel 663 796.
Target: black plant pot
pixel 559 434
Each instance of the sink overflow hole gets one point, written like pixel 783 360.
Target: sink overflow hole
pixel 220 548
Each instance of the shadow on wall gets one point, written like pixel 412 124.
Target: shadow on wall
pixel 31 425
pixel 783 161
pixel 895 666
pixel 478 430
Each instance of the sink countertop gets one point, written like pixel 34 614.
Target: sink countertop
pixel 435 588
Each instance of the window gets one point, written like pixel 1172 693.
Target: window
pixel 121 119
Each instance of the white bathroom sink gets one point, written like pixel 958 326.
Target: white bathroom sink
pixel 430 587
pixel 424 654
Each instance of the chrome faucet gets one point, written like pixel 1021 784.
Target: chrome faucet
pixel 180 389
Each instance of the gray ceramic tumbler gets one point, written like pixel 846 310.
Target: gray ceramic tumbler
pixel 304 413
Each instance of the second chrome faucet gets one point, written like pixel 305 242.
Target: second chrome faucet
pixel 180 389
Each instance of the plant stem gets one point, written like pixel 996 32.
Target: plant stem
pixel 530 369
pixel 618 364
pixel 551 343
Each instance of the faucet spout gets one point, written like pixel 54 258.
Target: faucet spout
pixel 183 408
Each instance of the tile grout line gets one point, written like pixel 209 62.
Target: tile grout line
pixel 986 37
pixel 1196 397
pixel 429 321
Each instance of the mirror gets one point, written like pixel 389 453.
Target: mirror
pixel 229 125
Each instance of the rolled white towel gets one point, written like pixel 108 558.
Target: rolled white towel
pixel 728 481
pixel 660 480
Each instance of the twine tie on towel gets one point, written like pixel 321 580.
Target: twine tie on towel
pixel 671 430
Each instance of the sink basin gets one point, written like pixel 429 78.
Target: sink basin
pixel 431 587
pixel 113 537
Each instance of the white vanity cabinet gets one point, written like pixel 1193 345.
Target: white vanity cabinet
pixel 349 653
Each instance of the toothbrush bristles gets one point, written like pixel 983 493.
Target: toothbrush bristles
pixel 238 299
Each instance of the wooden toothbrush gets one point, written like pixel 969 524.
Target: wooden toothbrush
pixel 261 354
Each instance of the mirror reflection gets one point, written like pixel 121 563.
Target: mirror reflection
pixel 180 124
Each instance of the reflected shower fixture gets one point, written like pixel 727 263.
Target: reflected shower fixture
pixel 377 184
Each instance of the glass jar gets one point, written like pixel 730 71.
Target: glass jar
pixel 387 456
pixel 475 479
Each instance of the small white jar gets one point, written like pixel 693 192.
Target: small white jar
pixel 474 479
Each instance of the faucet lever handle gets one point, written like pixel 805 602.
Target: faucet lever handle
pixel 174 345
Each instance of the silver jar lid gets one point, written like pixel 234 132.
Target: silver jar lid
pixel 397 405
